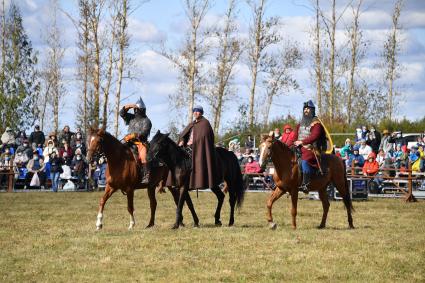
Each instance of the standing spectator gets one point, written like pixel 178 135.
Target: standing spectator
pixel 397 137
pixel 35 165
pixel 249 143
pixel 288 136
pixel 79 145
pixel 66 148
pixel 8 137
pixel 37 137
pixel 66 135
pixel 25 149
pixel 53 137
pixel 49 149
pixel 55 169
pixel 364 149
pixel 20 160
pixel 387 142
pixel 20 137
pixel 374 139
pixel 358 135
pixel 99 175
pixel 277 134
pixel 79 166
pixel 365 132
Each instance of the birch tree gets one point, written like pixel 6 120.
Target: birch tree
pixel 262 34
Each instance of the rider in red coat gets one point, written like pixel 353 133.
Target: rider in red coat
pixel 310 136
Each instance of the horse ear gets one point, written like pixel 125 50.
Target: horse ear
pixel 167 134
pixel 101 131
pixel 158 132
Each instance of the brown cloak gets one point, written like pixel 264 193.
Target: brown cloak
pixel 204 163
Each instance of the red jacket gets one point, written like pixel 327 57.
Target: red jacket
pixel 288 138
pixel 252 167
pixel 371 168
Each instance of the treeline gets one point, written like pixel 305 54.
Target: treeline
pixel 207 62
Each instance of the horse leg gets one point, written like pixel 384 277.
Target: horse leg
pixel 342 187
pixel 294 202
pixel 232 202
pixel 130 208
pixel 325 203
pixel 220 198
pixel 179 209
pixel 153 203
pixel 108 193
pixel 277 193
pixel 192 210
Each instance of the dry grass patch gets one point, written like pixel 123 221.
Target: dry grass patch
pixel 52 237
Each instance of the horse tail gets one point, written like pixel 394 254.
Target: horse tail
pixel 347 198
pixel 234 178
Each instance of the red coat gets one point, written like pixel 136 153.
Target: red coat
pixel 288 138
pixel 371 168
pixel 316 131
pixel 252 167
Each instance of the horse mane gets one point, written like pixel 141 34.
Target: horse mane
pixel 115 143
pixel 176 154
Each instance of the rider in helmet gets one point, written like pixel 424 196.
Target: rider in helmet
pixel 139 128
pixel 311 137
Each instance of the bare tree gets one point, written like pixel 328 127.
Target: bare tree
pixel 189 59
pixel 392 48
pixel 3 49
pixel 123 43
pixel 262 33
pixel 278 74
pixel 229 51
pixel 318 58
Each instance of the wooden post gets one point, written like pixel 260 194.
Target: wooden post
pixel 409 196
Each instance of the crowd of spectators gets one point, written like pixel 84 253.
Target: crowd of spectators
pixel 55 159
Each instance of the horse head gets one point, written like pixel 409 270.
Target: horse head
pixel 265 151
pixel 157 146
pixel 95 142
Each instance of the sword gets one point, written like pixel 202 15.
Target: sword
pixel 318 163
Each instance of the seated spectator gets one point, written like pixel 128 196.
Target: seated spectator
pixel 288 136
pixel 79 167
pixel 37 137
pixel 355 159
pixel 78 135
pixel 20 137
pixel 381 158
pixel 48 150
pixel 364 149
pixel 25 149
pixel 36 165
pixel 252 166
pixel 415 158
pixel 55 169
pixel 346 150
pixel 371 166
pixel 8 137
pixel 20 160
pixel 389 167
pixel 65 148
pixel 249 143
pixel 66 135
pixel 248 153
pixel 399 156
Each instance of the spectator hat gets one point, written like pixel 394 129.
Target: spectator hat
pixel 198 108
pixel 356 147
pixel 386 132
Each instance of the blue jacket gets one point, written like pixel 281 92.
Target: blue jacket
pixel 357 157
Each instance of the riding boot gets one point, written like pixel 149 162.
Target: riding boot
pixel 306 183
pixel 146 173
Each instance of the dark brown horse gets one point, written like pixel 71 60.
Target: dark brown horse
pixel 288 179
pixel 123 174
pixel 179 163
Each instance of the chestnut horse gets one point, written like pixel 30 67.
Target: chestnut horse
pixel 122 173
pixel 287 179
pixel 179 163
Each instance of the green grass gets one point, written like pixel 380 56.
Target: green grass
pixel 51 237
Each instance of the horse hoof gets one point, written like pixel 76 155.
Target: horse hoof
pixel 175 226
pixel 98 228
pixel 218 223
pixel 273 226
pixel 352 227
pixel 195 225
pixel 321 227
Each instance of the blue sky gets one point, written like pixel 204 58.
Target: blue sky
pixel 165 20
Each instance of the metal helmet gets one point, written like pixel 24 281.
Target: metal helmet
pixel 309 104
pixel 140 104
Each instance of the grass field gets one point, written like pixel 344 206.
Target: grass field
pixel 51 237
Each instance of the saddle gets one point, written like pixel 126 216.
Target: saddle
pixel 323 164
